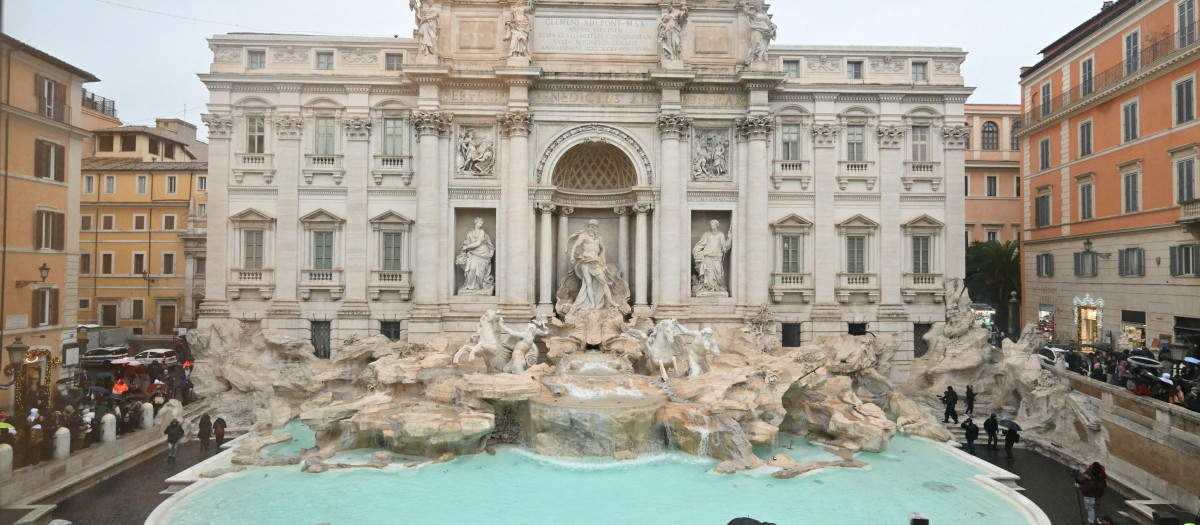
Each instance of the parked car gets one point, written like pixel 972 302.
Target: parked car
pixel 164 356
pixel 104 355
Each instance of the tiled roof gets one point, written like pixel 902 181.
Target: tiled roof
pixel 87 77
pixel 120 164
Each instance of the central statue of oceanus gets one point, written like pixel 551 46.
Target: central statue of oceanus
pixel 593 283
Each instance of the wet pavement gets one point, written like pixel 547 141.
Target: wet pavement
pixel 129 497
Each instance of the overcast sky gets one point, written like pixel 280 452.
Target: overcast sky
pixel 147 60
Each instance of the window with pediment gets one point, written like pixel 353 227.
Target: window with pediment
pixel 923 237
pixel 595 166
pixel 323 232
pixel 857 235
pixel 253 236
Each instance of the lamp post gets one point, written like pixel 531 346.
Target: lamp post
pixel 16 361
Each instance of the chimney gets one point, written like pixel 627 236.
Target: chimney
pixel 1107 4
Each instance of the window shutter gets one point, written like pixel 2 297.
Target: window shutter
pixel 37 308
pixel 60 157
pixel 39 87
pixel 60 102
pixel 1195 253
pixel 1141 262
pixel 126 309
pixel 37 229
pixel 1174 260
pixel 53 307
pixel 1122 268
pixel 1180 181
pixel 1078 261
pixel 60 234
pixel 41 159
pixel 1041 267
pixel 1050 265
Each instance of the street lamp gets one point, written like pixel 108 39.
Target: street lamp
pixel 44 270
pixel 1087 248
pixel 16 360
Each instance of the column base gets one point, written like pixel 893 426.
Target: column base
pixel 546 309
pixel 671 311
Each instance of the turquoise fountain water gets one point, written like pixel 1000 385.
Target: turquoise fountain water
pixel 517 487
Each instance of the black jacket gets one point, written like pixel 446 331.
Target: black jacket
pixel 950 397
pixel 174 433
pixel 991 426
pixel 1090 487
pixel 972 431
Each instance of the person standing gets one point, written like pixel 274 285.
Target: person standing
pixel 970 398
pixel 174 433
pixel 972 434
pixel 991 427
pixel 219 431
pixel 1091 484
pixel 205 432
pixel 950 399
pixel 1011 437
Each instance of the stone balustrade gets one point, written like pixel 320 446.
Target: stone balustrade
pixel 792 283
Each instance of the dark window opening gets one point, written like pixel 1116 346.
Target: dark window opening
pixel 390 330
pixel 857 329
pixel 920 345
pixel 321 335
pixel 791 335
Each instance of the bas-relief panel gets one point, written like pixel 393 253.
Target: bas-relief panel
pixel 712 156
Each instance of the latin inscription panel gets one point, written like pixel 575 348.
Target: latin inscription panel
pixel 593 98
pixel 600 36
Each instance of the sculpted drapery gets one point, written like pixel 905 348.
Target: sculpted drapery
pixel 709 256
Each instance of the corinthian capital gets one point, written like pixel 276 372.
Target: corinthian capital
pixel 515 123
pixel 756 127
pixel 672 125
pixel 890 136
pixel 432 122
pixel 357 128
pixel 956 137
pixel 219 126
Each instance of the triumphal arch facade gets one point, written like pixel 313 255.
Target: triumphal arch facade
pixel 510 153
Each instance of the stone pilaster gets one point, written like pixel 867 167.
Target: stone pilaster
pixel 356 267
pixel 427 274
pixel 518 243
pixel 564 231
pixel 288 158
pixel 623 240
pixel 215 304
pixel 891 258
pixel 757 131
pixel 641 265
pixel 672 268
pixel 954 169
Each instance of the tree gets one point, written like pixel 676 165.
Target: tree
pixel 993 272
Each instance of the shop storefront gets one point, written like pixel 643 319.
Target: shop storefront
pixel 983 315
pixel 1187 337
pixel 1089 319
pixel 1133 330
pixel 1045 319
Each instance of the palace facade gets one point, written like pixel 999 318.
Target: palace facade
pixel 346 175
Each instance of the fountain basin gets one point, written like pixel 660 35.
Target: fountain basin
pixel 594 426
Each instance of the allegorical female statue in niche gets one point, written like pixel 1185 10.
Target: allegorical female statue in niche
pixel 709 257
pixel 475 259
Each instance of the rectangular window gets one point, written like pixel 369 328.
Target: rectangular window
pixel 168 264
pixel 395 61
pixel 256 133
pixel 85 263
pixel 322 250
pixel 855 136
pixel 1046 99
pixel 1086 77
pixel 49 161
pixel 1130 262
pixel 790 335
pixel 921 253
pixel 1017 186
pixel 1133 52
pixel 201 183
pixel 51 98
pixel 393 137
pixel 1045 265
pixel 139 222
pixel 393 243
pixel 141 184
pixel 1085 264
pixel 1187 22
pixel 790 137
pixel 256 59
pixel 138 309
pixel 919 71
pixel 325 61
pixel 920 144
pixel 1042 210
pixel 791 68
pixel 1087 201
pixel 168 222
pixel 1085 139
pixel 856 254
pixel 321 334
pixel 45 307
pixel 1185 101
pixel 89 184
pixel 201 210
pixel 154 146
pixel 128 142
pixel 1185 259
pixel 993 236
pixel 992 186
pixel 168 151
pixel 790 262
pixel 50 230
pixel 85 223
pixel 252 249
pixel 391 330
pixel 1044 154
pixel 107 222
pixel 1132 186
pixel 110 184
pixel 106 264
pixel 1185 179
pixel 85 304
pixel 172 184
pixel 139 263
pixel 325 136
pixel 854 70
pixel 106 142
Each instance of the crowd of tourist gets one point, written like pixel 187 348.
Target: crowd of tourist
pixel 1143 373
pixel 81 403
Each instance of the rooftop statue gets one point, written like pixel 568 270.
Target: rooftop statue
pixel 670 27
pixel 516 21
pixel 427 25
pixel 762 32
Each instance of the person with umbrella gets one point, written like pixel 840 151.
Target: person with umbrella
pixel 950 399
pixel 1091 483
pixel 1012 436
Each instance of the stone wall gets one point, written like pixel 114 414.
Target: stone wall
pixel 1150 445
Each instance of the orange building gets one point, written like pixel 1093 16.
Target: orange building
pixel 39 198
pixel 1110 142
pixel 993 173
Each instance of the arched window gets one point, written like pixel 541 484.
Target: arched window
pixel 991 136
pixel 1016 141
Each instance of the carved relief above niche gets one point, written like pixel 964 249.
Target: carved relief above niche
pixel 711 155
pixel 475 152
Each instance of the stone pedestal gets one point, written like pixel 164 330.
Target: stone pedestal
pixel 108 428
pixel 62 443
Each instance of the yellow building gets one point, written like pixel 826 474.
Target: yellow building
pixel 41 137
pixel 142 215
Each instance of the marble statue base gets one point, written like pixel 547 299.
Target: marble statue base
pixel 489 291
pixel 710 294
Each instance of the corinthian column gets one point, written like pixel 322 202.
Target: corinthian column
pixel 427 274
pixel 564 261
pixel 672 271
pixel 623 240
pixel 515 203
pixel 641 265
pixel 546 256
pixel 758 233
